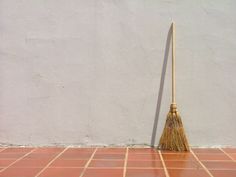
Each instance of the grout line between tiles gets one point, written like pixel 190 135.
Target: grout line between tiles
pixel 227 154
pixel 164 165
pixel 223 169
pixel 204 167
pixel 41 171
pixel 125 163
pixel 87 164
pixel 17 160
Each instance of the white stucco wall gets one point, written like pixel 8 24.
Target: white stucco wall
pixel 88 72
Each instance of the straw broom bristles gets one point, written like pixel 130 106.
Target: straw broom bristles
pixel 173 137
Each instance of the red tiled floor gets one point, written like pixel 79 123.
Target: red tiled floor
pixel 224 165
pixel 11 155
pixel 6 162
pixel 152 156
pixel 20 172
pixel 142 150
pixel 212 156
pixel 110 162
pixel 107 163
pixel 48 150
pixel 229 150
pixel 223 173
pixel 17 150
pixel 61 172
pixel 111 150
pixel 103 173
pixel 46 156
pixel 31 163
pixel 145 164
pixel 171 152
pixel 178 156
pixel 68 163
pixel 109 156
pixel 80 150
pixel 206 150
pixel 187 173
pixel 145 173
pixel 233 155
pixel 75 156
pixel 183 164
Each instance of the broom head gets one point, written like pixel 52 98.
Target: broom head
pixel 173 137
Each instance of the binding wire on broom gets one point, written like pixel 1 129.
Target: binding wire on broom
pixel 173 137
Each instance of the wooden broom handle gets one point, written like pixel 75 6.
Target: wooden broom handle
pixel 173 62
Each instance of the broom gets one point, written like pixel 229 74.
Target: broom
pixel 173 137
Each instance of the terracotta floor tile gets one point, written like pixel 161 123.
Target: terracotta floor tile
pixel 75 156
pixel 224 165
pixel 103 173
pixel 17 150
pixel 31 163
pixel 212 156
pixel 61 172
pixel 152 156
pixel 145 164
pixel 172 152
pixel 6 162
pixel 49 150
pixel 230 150
pixel 68 163
pixel 178 156
pixel 142 150
pixel 80 150
pixel 46 156
pixel 187 173
pixel 206 150
pixel 111 150
pixel 20 172
pixel 106 163
pixel 183 164
pixel 145 173
pixel 109 156
pixel 233 155
pixel 223 173
pixel 11 155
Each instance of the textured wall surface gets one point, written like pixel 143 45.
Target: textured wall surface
pixel 89 72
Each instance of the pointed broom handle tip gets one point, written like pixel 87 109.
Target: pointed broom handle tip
pixel 173 29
